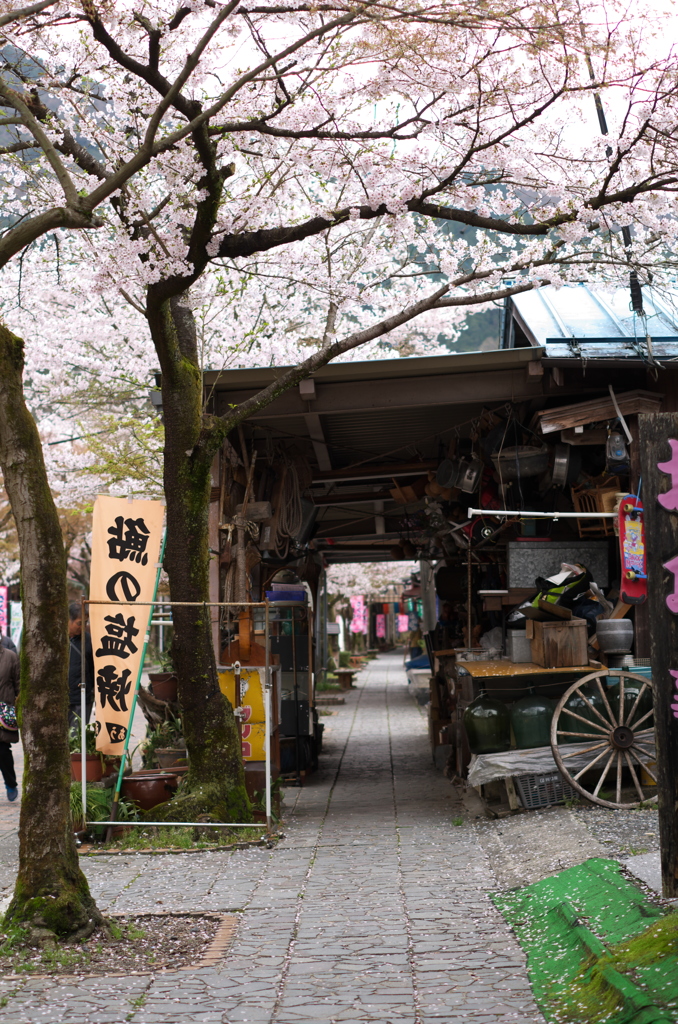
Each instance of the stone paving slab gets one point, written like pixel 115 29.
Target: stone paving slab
pixel 374 908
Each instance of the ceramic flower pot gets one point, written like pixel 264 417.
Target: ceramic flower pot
pixel 615 636
pixel 164 686
pixel 94 771
pixel 147 791
pixel 168 756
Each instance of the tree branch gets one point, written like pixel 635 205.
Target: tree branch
pixel 29 230
pixel 328 352
pixel 35 128
pixel 25 12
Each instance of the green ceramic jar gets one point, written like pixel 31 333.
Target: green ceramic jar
pixel 531 720
pixel 631 690
pixel 577 704
pixel 488 725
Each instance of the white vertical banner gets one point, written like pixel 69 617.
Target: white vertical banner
pixel 16 622
pixel 126 539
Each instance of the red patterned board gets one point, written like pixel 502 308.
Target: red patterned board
pixel 632 549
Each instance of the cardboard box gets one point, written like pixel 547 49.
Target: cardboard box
pixel 558 644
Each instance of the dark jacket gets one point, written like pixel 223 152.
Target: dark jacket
pixel 9 687
pixel 7 642
pixel 74 666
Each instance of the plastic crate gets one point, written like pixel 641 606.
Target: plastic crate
pixel 541 790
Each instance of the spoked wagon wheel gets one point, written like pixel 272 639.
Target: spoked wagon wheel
pixel 618 724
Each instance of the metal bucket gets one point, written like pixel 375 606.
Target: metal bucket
pixel 521 461
pixel 447 473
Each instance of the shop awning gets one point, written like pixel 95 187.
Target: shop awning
pixel 367 429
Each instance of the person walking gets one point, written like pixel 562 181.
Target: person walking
pixel 9 691
pixel 75 633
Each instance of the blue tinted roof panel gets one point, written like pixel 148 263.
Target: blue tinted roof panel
pixel 576 318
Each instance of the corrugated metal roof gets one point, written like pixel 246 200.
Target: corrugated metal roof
pixel 585 322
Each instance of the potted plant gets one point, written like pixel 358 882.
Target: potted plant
pixel 94 761
pixel 164 684
pixel 111 764
pixel 170 757
pixel 165 744
pixel 98 808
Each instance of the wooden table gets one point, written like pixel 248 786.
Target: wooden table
pixel 505 680
pixel 504 669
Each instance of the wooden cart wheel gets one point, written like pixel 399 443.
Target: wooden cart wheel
pixel 624 740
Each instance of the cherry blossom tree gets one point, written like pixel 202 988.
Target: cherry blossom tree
pixel 63 155
pixel 409 159
pixel 373 580
pixel 368 578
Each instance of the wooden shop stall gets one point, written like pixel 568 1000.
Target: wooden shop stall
pixel 538 695
pixel 383 460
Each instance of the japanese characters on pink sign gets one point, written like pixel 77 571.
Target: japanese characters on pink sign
pixel 4 610
pixel 669 501
pixel 359 620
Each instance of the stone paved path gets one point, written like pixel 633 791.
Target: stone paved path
pixel 374 908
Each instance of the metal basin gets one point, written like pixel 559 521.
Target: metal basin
pixel 521 461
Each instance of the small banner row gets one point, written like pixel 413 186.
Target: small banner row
pixel 126 541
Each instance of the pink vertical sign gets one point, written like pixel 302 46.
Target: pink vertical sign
pixel 381 626
pixel 669 501
pixel 4 611
pixel 359 620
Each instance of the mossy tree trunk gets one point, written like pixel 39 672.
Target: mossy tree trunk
pixel 216 781
pixel 51 892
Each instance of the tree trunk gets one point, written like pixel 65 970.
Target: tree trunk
pixel 51 892
pixel 216 780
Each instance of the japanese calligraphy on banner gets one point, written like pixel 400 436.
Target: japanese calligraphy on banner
pixel 359 620
pixel 381 626
pixel 126 538
pixel 403 623
pixel 4 611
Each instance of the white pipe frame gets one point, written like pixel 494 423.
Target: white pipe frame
pixel 267 716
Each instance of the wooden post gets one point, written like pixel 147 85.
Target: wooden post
pixel 661 544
